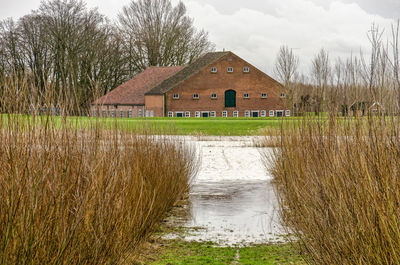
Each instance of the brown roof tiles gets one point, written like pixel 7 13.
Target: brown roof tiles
pixel 132 92
pixel 186 72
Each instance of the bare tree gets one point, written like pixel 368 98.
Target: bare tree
pixel 159 34
pixel 286 65
pixel 320 72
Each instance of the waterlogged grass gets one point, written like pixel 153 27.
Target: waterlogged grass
pixel 181 252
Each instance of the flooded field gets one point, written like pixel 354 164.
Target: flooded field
pixel 232 201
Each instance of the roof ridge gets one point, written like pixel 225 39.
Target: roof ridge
pixel 186 72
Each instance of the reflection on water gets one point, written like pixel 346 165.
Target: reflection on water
pixel 234 212
pixel 232 199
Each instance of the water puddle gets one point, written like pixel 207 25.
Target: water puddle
pixel 232 201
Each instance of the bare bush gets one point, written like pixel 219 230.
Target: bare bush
pixel 80 191
pixel 337 183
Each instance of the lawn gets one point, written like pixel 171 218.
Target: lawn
pixel 203 126
pixel 180 252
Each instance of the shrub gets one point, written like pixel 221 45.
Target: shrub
pixel 338 187
pixel 75 191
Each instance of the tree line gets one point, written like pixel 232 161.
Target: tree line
pixel 81 54
pixel 344 86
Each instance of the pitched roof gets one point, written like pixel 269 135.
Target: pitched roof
pixel 186 72
pixel 132 92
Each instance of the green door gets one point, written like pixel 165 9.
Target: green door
pixel 230 99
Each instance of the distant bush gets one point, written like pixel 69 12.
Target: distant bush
pixel 338 184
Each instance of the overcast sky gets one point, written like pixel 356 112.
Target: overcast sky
pixel 255 29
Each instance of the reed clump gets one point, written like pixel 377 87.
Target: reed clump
pixel 75 191
pixel 338 187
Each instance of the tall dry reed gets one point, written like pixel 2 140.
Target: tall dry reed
pixel 338 184
pixel 75 191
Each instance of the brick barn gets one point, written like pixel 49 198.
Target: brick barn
pixel 218 84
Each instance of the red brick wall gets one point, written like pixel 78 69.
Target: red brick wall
pixel 155 103
pixel 106 110
pixel 206 83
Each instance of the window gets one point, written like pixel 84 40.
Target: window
pixel 179 114
pixel 147 113
pixel 176 96
pixel 94 113
pixel 104 113
pixel 214 70
pixel 246 69
pixel 230 99
pixel 170 114
pixel 187 114
pixel 271 113
pixel 246 95
pixel 140 113
pixel 230 69
pixel 213 96
pixel 195 96
pixel 263 113
pixel 151 113
pixel 287 113
pixel 121 113
pixel 112 113
pixel 236 113
pixel 283 95
pixel 213 114
pixel 279 113
pixel 247 113
pixel 130 113
pixel 224 114
pixel 197 114
pixel 264 95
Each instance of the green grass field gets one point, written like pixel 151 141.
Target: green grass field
pixel 202 126
pixel 180 252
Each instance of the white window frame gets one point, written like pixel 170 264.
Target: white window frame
pixel 112 113
pixel 179 112
pixel 94 113
pixel 147 113
pixel 130 113
pixel 224 114
pixel 187 114
pixel 140 113
pixel 263 113
pixel 175 96
pixel 272 113
pixel 235 113
pixel 283 95
pixel 121 113
pixel 264 95
pixel 247 113
pixel 197 114
pixel 230 69
pixel 152 113
pixel 246 69
pixel 212 96
pixel 258 113
pixel 246 95
pixel 214 69
pixel 170 114
pixel 104 113
pixel 287 113
pixel 213 114
pixel 196 96
pixel 283 113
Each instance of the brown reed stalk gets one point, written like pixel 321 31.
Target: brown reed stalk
pixel 338 182
pixel 79 191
